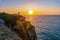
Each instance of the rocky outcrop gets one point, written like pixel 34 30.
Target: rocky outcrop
pixel 15 27
pixel 7 34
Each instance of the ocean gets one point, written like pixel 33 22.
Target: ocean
pixel 47 26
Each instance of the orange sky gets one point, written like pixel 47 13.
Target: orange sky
pixel 40 7
pixel 35 12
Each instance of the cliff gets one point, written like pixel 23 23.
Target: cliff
pixel 7 34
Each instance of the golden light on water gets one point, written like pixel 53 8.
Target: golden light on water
pixel 30 12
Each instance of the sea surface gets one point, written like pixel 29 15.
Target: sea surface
pixel 47 27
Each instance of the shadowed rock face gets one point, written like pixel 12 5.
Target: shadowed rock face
pixel 7 34
pixel 26 31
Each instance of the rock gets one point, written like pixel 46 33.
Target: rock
pixel 7 34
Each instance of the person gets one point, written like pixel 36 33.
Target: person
pixel 25 30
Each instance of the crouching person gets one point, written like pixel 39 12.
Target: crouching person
pixel 25 30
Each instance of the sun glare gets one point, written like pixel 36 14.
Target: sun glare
pixel 30 11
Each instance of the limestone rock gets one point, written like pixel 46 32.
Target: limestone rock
pixel 7 34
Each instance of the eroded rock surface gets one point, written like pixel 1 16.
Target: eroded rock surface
pixel 7 34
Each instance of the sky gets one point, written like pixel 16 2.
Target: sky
pixel 41 7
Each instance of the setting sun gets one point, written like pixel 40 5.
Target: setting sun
pixel 30 11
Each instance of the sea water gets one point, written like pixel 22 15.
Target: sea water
pixel 47 27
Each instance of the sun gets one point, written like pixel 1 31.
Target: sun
pixel 30 11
